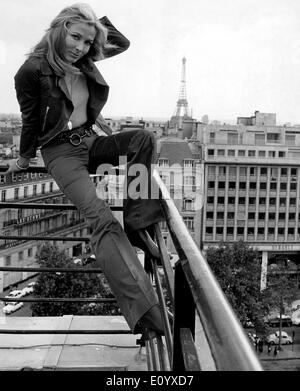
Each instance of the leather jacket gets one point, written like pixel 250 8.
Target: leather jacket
pixel 44 105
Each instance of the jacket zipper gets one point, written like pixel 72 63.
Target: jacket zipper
pixel 45 118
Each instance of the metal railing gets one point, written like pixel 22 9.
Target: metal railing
pixel 191 289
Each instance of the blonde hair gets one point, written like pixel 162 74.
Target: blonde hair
pixel 53 43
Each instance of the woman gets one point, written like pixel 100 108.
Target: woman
pixel 61 93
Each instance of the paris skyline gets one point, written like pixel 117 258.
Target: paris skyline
pixel 241 56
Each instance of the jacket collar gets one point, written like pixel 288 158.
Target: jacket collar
pixel 87 67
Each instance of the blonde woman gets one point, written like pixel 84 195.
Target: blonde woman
pixel 61 94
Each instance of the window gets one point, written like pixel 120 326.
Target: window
pixel 251 153
pixel 230 215
pixel 222 170
pixel 259 139
pixel 272 201
pixel 261 216
pixel 263 185
pixel 2 178
pixel 262 153
pixel 231 152
pixel 210 200
pixel 209 230
pixel 232 138
pixel 292 216
pixel 272 154
pixel 271 231
pixel 211 184
pixel 188 205
pixel 241 153
pixel 273 186
pixel 243 171
pixel 293 186
pixel 252 185
pixel 212 137
pixel 252 200
pixel 8 260
pixel 272 216
pixel 211 170
pixel 281 154
pixel 281 216
pixel 240 230
pixel 263 171
pixel 189 180
pixel 251 216
pixel 3 196
pixel 220 215
pixel 242 185
pixel 219 230
pixel 221 200
pixel 283 186
pixel 221 152
pixel 25 191
pixel 209 215
pixel 291 231
pixel 16 193
pixel 29 252
pixel 33 175
pixel 273 137
pixel 284 172
pixel 20 256
pixel 280 231
pixel 282 201
pixel 262 201
pixel 242 200
pixel 188 163
pixel 231 185
pixel 253 171
pixel 231 200
pixel 260 230
pixel 229 230
pixel 43 188
pixel 274 173
pixel 221 185
pixel 293 171
pixel 290 139
pixel 211 152
pixel 292 201
pixel 189 222
pixel 163 162
pixel 250 231
pixel 51 187
pixel 232 171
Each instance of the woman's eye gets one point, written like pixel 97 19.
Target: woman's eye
pixel 75 37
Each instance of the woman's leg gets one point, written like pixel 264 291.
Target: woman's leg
pixel 118 260
pixel 138 149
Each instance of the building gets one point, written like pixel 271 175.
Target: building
pixel 252 187
pixel 37 188
pixel 180 168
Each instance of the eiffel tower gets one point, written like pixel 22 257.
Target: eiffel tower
pixel 181 111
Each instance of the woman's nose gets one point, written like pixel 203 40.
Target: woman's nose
pixel 79 46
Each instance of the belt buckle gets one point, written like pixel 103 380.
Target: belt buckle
pixel 75 139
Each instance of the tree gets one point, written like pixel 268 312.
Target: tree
pixel 279 294
pixel 237 269
pixel 69 285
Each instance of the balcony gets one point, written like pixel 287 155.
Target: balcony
pixel 206 332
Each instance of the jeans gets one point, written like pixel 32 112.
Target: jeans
pixel 70 167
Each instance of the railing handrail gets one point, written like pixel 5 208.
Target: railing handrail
pixel 229 345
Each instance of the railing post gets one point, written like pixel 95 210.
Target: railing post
pixel 184 315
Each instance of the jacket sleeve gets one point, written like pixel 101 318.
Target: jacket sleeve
pixel 114 37
pixel 28 95
pixel 103 125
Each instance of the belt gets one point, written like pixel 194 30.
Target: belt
pixel 74 136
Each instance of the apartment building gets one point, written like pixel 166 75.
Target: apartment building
pixel 181 171
pixel 37 188
pixel 252 176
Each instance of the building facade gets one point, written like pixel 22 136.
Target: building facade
pixel 252 187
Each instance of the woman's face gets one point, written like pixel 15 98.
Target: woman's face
pixel 79 38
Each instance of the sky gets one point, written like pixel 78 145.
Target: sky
pixel 241 55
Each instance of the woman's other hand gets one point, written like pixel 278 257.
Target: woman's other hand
pixel 16 165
